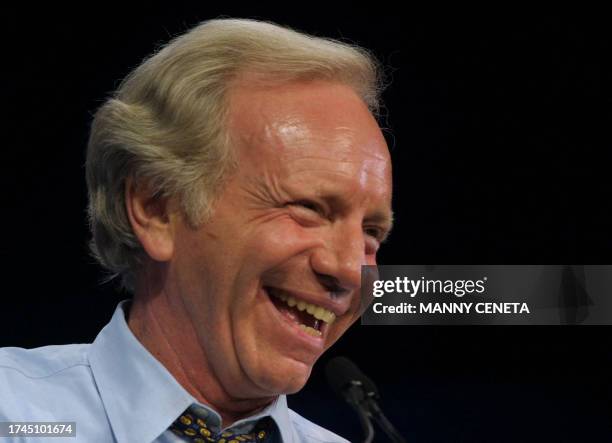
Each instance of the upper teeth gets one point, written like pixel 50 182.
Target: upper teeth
pixel 317 312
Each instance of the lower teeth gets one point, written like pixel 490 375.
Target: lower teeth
pixel 310 331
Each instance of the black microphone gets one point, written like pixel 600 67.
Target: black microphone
pixel 361 393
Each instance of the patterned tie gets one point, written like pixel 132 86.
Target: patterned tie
pixel 192 427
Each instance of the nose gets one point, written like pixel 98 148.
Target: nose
pixel 337 262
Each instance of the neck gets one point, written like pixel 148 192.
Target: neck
pixel 158 323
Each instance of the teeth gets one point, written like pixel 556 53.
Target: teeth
pixel 310 331
pixel 317 312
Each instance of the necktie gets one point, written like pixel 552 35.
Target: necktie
pixel 192 427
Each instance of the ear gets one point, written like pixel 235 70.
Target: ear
pixel 151 220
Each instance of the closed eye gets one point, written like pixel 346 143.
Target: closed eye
pixel 372 232
pixel 310 206
pixel 379 234
pixel 307 205
pixel 307 211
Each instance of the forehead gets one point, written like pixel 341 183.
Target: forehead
pixel 305 128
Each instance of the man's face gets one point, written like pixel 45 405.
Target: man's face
pixel 307 207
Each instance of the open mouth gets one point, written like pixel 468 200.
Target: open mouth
pixel 310 318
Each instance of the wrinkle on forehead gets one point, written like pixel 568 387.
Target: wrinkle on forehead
pixel 296 141
pixel 336 155
pixel 283 131
pixel 362 170
pixel 373 167
pixel 321 131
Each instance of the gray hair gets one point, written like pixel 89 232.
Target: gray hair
pixel 164 125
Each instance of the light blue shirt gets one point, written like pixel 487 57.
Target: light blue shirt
pixel 115 391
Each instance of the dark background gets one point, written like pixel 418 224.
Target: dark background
pixel 501 145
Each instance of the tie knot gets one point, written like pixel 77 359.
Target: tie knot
pixel 198 425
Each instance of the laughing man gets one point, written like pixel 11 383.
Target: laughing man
pixel 238 181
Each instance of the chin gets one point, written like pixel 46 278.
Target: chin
pixel 284 377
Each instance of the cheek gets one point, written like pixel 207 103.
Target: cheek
pixel 281 240
pixel 204 266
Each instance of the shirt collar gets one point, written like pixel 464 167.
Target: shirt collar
pixel 279 411
pixel 140 396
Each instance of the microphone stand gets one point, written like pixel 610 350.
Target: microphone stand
pixel 384 422
pixel 356 398
pixel 367 408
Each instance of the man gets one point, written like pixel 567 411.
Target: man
pixel 238 181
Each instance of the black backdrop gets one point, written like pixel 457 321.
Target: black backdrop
pixel 501 146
